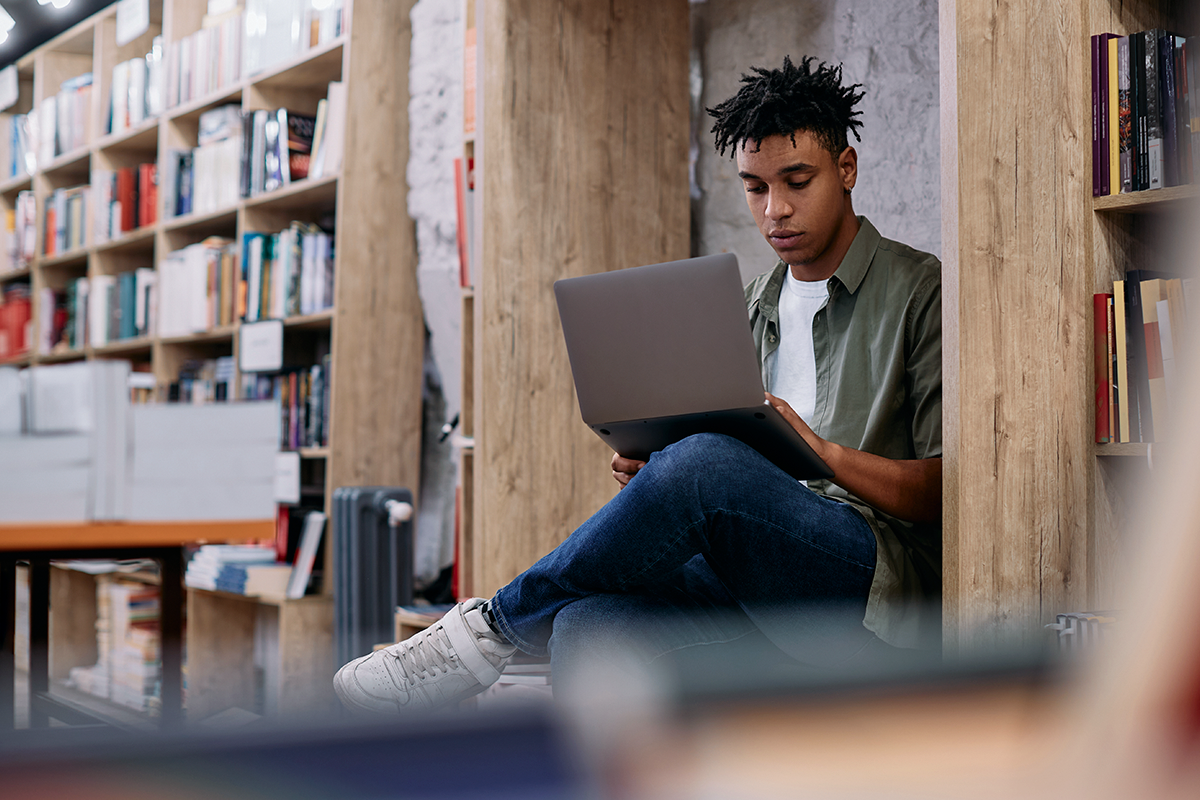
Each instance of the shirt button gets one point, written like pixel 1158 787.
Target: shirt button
pixel 772 337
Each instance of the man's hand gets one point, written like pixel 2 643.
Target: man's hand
pixel 623 469
pixel 910 489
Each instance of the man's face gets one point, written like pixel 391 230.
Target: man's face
pixel 797 194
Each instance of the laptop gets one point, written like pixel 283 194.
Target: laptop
pixel 665 351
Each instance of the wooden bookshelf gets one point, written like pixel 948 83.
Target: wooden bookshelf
pixel 375 328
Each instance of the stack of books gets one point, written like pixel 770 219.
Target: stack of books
pixel 210 561
pixel 288 273
pixel 127 669
pixel 66 220
pixel 1145 111
pixel 138 90
pixel 198 288
pixel 64 119
pixel 1138 330
pixel 302 396
pixel 206 61
pixel 115 307
pixel 126 199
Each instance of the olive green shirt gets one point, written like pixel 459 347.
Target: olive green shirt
pixel 878 347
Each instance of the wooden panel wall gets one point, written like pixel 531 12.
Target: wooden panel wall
pixel 1016 214
pixel 378 333
pixel 583 169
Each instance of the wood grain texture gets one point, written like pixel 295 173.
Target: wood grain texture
pixel 582 161
pixel 1019 285
pixel 220 658
pixel 378 331
pixel 306 657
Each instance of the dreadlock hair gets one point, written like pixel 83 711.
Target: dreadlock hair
pixel 783 101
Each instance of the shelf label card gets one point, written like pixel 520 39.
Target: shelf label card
pixel 133 19
pixel 260 346
pixel 287 477
pixel 9 88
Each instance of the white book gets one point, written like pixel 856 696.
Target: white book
pixel 47 125
pixel 254 276
pixel 197 276
pixel 120 97
pixel 145 280
pixel 137 91
pixel 281 273
pixel 335 129
pixel 308 270
pixel 314 527
pixel 98 309
pixel 325 270
pixel 155 79
pixel 10 403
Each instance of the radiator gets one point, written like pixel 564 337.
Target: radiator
pixel 373 565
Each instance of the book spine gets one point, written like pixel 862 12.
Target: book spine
pixel 1111 343
pixel 1101 363
pixel 1154 121
pixel 1121 338
pixel 1125 138
pixel 1166 104
pixel 1101 89
pixel 1097 115
pixel 1139 387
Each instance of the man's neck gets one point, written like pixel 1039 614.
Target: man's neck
pixel 823 268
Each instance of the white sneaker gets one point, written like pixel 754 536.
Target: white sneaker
pixel 456 657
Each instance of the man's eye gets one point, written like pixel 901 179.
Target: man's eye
pixel 800 185
pixel 756 189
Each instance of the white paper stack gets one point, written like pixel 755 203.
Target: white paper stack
pixel 210 462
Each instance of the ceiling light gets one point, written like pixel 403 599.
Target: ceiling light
pixel 55 3
pixel 6 24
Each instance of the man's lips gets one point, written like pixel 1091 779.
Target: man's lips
pixel 784 238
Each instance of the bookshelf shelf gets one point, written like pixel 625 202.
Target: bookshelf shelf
pixel 314 452
pixel 137 240
pixel 192 109
pixel 21 360
pixel 214 220
pixel 1123 449
pixel 143 138
pixel 70 166
pixel 15 275
pixel 1167 199
pixel 303 194
pixel 141 344
pixel 314 70
pixel 70 258
pixel 18 184
pixel 60 356
pixel 319 321
pixel 222 334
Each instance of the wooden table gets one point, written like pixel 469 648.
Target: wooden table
pixel 38 544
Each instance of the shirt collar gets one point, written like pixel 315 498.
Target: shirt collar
pixel 858 258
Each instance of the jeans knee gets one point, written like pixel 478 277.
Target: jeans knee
pixel 702 453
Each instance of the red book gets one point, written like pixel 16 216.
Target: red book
pixel 127 196
pixel 147 194
pixel 460 207
pixel 281 533
pixel 1101 363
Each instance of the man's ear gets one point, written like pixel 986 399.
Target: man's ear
pixel 848 168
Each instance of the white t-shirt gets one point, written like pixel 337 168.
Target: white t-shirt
pixel 793 366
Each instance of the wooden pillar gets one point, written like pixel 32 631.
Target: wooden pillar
pixel 379 332
pixel 582 169
pixel 1016 213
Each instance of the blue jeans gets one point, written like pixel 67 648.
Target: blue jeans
pixel 709 543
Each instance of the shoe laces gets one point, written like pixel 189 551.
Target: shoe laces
pixel 425 655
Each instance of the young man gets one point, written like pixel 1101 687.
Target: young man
pixel 708 542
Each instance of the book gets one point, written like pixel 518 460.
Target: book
pixel 1121 337
pixel 1101 364
pixel 1113 410
pixel 1166 104
pixel 1153 119
pixel 1126 143
pixel 301 129
pixel 314 527
pixel 1183 123
pixel 1152 291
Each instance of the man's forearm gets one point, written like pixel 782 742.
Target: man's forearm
pixel 909 490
